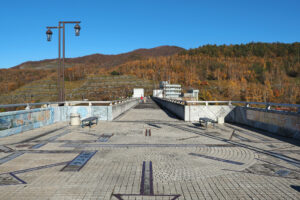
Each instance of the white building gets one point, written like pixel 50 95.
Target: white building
pixel 138 92
pixel 194 93
pixel 170 90
pixel 158 93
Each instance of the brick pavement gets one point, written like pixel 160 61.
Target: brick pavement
pixel 187 161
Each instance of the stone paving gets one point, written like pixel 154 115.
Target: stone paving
pixel 180 160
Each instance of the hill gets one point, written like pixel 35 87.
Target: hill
pixel 264 72
pixel 30 81
pixel 101 60
pixel 93 87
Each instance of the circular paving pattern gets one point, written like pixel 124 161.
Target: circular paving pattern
pixel 177 164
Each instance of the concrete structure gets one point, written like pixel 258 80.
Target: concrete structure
pixel 158 93
pixel 19 121
pixel 138 92
pixel 114 160
pixel 171 91
pixel 195 93
pixel 278 122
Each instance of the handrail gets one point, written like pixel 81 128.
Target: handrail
pixel 236 102
pixel 28 105
pixel 246 104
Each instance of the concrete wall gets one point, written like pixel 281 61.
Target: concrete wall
pixel 120 108
pixel 103 113
pixel 194 112
pixel 278 122
pixel 138 92
pixel 174 108
pixel 19 121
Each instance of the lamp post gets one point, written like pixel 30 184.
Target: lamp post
pixel 61 66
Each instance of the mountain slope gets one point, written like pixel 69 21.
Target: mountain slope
pixel 263 72
pixel 101 60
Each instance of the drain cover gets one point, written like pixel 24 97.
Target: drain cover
pixel 283 172
pixel 77 163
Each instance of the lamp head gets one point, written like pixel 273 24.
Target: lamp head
pixel 77 29
pixel 49 34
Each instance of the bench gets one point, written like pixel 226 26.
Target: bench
pixel 206 121
pixel 89 121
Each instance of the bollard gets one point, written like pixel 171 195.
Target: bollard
pixel 147 132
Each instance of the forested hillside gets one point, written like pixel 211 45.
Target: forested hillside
pixel 264 72
pixel 12 79
pixel 252 72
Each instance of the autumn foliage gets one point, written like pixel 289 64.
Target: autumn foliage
pixel 263 72
pixel 11 79
pixel 254 72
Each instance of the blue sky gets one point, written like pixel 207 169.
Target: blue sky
pixel 118 26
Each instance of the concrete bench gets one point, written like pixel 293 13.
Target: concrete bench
pixel 89 121
pixel 206 121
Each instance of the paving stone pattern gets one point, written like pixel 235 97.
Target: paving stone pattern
pixel 180 160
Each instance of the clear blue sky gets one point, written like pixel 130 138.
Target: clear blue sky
pixel 117 26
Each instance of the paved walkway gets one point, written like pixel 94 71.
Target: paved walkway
pixel 115 160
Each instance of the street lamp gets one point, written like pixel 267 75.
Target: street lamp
pixel 61 67
pixel 77 29
pixel 49 34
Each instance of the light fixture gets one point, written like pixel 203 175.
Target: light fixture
pixel 49 35
pixel 77 29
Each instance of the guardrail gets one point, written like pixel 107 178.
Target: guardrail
pixel 28 105
pixel 66 103
pixel 267 105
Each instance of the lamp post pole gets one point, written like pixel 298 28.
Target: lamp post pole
pixel 61 66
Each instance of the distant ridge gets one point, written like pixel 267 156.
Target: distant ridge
pixel 102 60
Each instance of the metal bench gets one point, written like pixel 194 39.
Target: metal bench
pixel 206 121
pixel 89 121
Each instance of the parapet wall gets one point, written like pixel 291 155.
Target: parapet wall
pixel 62 113
pixel 19 121
pixel 279 122
pixel 122 107
pixel 195 112
pixel 191 112
pixel 171 106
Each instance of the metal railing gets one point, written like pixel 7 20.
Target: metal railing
pixel 265 105
pixel 64 103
